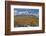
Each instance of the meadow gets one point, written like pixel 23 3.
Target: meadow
pixel 21 21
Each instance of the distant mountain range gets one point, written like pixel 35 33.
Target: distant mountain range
pixel 26 13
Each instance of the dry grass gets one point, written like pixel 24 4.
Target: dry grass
pixel 25 19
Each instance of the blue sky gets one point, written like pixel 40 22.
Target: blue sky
pixel 18 10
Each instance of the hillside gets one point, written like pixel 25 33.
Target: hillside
pixel 26 20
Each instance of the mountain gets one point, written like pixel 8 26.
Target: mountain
pixel 26 13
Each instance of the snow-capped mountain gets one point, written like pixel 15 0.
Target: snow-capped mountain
pixel 26 13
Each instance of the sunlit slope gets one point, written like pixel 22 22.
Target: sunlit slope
pixel 26 20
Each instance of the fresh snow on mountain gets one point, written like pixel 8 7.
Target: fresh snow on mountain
pixel 21 11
